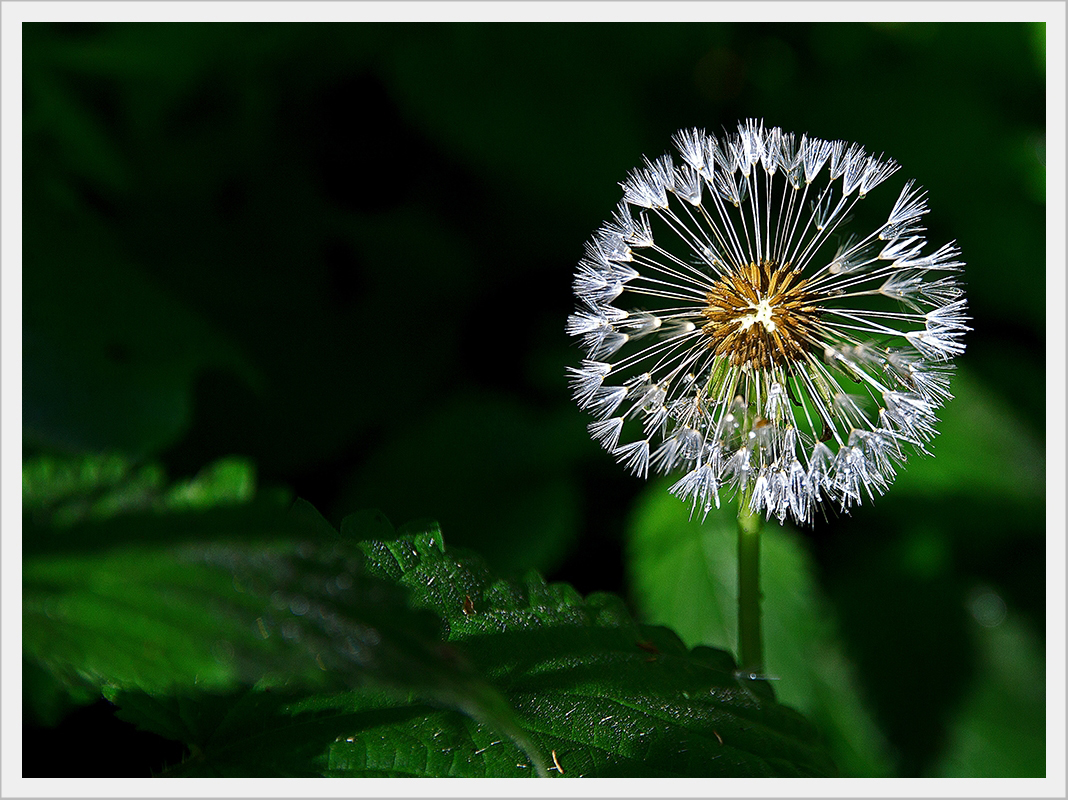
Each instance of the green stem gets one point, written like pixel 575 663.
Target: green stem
pixel 750 638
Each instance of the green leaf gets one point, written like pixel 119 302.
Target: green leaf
pixel 160 616
pixel 59 491
pixel 166 602
pixel 684 574
pixel 599 693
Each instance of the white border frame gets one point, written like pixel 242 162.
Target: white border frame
pixel 12 14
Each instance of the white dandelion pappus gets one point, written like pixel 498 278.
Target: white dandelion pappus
pixel 735 331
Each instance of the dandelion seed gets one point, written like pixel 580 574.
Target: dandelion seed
pixel 735 331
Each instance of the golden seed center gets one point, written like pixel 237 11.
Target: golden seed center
pixel 762 315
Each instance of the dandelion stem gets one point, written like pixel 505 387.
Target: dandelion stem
pixel 750 638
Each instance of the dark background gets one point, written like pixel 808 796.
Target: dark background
pixel 345 252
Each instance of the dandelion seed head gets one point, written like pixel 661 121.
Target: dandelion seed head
pixel 740 329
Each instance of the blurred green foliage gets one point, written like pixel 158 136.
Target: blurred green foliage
pixel 343 253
